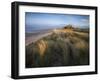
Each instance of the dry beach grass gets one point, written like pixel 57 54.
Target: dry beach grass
pixel 63 47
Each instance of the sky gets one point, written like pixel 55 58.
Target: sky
pixel 40 21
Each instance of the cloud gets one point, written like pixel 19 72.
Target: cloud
pixel 85 20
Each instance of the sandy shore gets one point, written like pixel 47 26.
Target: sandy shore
pixel 36 36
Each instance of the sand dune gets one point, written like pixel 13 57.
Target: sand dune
pixel 60 47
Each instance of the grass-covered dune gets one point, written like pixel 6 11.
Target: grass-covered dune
pixel 64 47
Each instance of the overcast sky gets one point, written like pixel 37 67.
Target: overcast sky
pixel 36 21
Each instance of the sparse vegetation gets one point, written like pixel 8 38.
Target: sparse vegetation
pixel 63 47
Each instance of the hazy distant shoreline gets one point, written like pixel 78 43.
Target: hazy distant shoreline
pixel 34 36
